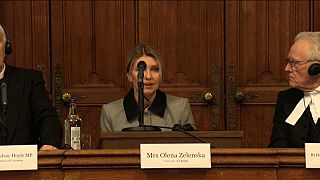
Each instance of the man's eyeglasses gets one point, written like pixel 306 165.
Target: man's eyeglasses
pixel 296 63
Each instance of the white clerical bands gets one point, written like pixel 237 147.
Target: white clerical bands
pixel 311 99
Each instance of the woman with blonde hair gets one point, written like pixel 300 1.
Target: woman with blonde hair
pixel 160 109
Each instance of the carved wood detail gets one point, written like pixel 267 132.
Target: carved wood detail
pixel 90 39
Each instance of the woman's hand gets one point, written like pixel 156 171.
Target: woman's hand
pixel 48 148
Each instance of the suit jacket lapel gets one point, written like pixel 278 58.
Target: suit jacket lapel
pixel 299 129
pixel 14 91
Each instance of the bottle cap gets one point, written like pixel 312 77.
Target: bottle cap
pixel 73 100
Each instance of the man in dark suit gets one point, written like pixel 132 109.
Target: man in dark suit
pixel 297 111
pixel 26 115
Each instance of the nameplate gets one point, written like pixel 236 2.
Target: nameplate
pixel 193 155
pixel 18 157
pixel 312 155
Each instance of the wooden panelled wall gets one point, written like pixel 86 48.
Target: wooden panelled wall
pixel 231 49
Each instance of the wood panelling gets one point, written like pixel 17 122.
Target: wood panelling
pixel 184 32
pixel 124 164
pixel 27 26
pixel 91 39
pixel 91 42
pixel 259 118
pixel 222 47
pixel 91 121
pixel 258 37
pixel 315 16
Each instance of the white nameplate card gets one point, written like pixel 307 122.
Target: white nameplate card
pixel 18 157
pixel 312 153
pixel 193 155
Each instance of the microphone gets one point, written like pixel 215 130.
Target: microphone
pixel 4 100
pixel 141 67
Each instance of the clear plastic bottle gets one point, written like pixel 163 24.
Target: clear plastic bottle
pixel 73 127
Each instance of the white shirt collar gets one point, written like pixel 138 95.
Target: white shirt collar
pixel 308 100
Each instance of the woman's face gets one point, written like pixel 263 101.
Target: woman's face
pixel 152 76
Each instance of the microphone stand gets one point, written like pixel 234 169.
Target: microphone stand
pixel 141 126
pixel 141 103
pixel 3 127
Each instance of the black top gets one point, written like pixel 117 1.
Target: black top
pixel 285 135
pixel 157 107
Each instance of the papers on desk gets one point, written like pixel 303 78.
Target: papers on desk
pixel 193 155
pixel 18 157
pixel 312 154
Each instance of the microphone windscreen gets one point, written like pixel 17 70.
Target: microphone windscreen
pixel 142 65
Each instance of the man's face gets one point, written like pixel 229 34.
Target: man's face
pixel 297 66
pixel 2 51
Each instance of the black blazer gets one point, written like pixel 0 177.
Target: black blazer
pixel 283 134
pixel 30 117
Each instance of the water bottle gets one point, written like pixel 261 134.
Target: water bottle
pixel 73 127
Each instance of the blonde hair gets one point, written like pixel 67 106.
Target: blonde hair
pixel 143 50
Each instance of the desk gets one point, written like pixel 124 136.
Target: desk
pixel 227 163
pixel 132 140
